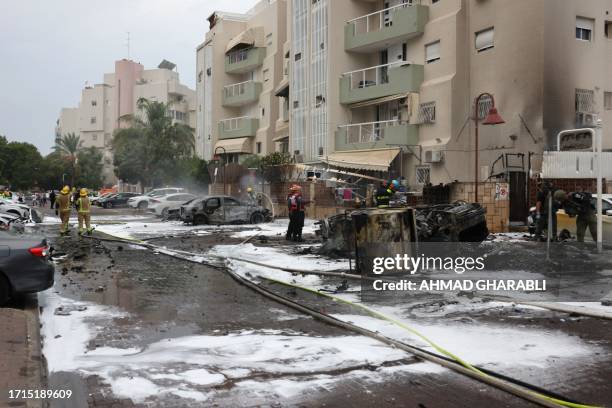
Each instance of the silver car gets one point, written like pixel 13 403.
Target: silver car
pixel 224 210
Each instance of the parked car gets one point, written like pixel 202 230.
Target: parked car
pixel 142 201
pixel 25 266
pixel 95 200
pixel 116 200
pixel 161 206
pixel 11 222
pixel 223 210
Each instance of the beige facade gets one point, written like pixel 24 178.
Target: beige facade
pixel 404 74
pixel 102 105
pixel 239 68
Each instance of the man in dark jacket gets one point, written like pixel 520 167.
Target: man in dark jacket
pixel 295 205
pixel 383 195
pixel 579 205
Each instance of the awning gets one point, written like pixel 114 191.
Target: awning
pixel 280 138
pixel 253 37
pixel 378 101
pixel 282 89
pixel 240 145
pixel 375 160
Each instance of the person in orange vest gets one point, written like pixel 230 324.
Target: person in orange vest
pixel 295 205
pixel 62 206
pixel 83 206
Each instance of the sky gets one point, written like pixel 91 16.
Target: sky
pixel 51 48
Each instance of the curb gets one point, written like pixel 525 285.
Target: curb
pixel 37 365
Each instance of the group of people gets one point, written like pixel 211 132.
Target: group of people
pixel 80 200
pixel 295 206
pixel 576 204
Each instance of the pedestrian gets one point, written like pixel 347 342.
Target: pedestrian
pixel 75 196
pixel 44 198
pixel 580 205
pixel 63 209
pixel 543 199
pixel 295 204
pixel 383 195
pixel 83 210
pixel 52 199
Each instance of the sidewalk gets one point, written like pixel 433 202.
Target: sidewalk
pixel 21 366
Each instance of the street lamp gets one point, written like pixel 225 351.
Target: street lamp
pixel 224 163
pixel 493 118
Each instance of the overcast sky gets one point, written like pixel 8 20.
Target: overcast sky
pixel 50 48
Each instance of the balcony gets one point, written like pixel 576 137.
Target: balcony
pixel 245 60
pixel 238 127
pixel 375 31
pixel 380 81
pixel 241 94
pixel 376 135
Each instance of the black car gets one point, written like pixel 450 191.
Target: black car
pixel 24 265
pixel 116 200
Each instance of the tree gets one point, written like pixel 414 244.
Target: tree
pixel 22 163
pixel 149 150
pixel 90 165
pixel 68 146
pixel 53 167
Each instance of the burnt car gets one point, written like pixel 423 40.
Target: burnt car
pixel 218 210
pixel 25 265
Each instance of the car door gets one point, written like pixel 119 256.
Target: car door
pixel 234 210
pixel 213 209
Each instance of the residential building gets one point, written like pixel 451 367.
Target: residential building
pixel 102 106
pixel 239 67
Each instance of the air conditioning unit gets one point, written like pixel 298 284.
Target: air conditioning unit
pixel 299 158
pixel 585 119
pixel 433 156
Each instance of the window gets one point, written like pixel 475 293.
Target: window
pixel 296 104
pixel 94 137
pixel 427 113
pixel 319 100
pixel 266 75
pixel 484 39
pixel 585 101
pixel 269 39
pixel 608 100
pixel 92 120
pixel 263 112
pixel 298 56
pixel 321 151
pixel 423 175
pixel 584 28
pixel 432 52
pixel 94 103
pixel 258 147
pixel 608 29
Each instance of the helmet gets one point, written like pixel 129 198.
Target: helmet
pixel 249 190
pixel 560 195
pixel 73 189
pixel 84 192
pixel 65 190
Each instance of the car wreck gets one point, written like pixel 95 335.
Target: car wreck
pixel 457 222
pixel 218 210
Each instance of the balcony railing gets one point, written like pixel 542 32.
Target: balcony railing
pixel 378 20
pixel 244 60
pixel 235 57
pixel 234 124
pixel 367 132
pixel 234 90
pixel 372 76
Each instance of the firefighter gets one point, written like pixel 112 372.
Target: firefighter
pixel 251 195
pixel 83 208
pixel 383 195
pixel 579 205
pixel 295 205
pixel 62 206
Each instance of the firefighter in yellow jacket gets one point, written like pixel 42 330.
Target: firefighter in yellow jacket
pixel 83 207
pixel 62 206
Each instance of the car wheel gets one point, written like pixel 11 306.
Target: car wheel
pixel 164 213
pixel 109 205
pixel 199 220
pixel 143 205
pixel 257 218
pixel 5 290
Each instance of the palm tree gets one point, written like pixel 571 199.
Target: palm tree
pixel 68 146
pixel 162 141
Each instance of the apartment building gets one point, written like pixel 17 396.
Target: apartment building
pixel 239 68
pixel 390 86
pixel 102 106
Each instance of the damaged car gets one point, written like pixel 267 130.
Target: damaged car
pixel 217 210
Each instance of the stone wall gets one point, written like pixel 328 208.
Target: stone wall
pixel 492 196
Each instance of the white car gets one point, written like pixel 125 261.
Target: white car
pixel 142 202
pixel 21 210
pixel 161 206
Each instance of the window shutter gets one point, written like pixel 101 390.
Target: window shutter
pixel 484 39
pixel 584 23
pixel 432 51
